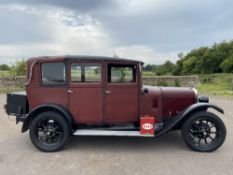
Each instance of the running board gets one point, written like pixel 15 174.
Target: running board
pixel 92 132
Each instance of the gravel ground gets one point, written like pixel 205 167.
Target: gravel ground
pixel 111 155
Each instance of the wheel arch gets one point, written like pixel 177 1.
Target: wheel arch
pixel 48 107
pixel 176 123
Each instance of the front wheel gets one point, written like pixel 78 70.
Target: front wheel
pixel 204 132
pixel 49 131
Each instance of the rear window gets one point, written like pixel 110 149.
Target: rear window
pixel 53 73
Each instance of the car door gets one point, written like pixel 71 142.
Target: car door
pixel 50 85
pixel 86 92
pixel 122 94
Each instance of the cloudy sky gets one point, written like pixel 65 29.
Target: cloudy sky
pixel 149 30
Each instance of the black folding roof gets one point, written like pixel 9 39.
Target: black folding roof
pixel 99 58
pixel 86 58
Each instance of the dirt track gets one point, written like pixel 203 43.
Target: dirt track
pixel 110 155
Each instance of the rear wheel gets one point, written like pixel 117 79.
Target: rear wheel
pixel 49 131
pixel 204 132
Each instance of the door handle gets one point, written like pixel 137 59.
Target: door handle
pixel 108 92
pixel 70 91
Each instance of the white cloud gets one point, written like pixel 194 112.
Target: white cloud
pixel 152 30
pixel 72 33
pixel 145 54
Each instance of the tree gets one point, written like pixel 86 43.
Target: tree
pixel 4 67
pixel 227 65
pixel 177 68
pixel 189 65
pixel 149 67
pixel 166 68
pixel 214 59
pixel 19 68
pixel 181 55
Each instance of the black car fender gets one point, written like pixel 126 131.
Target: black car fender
pixel 177 120
pixel 48 107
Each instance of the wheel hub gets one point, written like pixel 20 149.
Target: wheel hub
pixel 203 132
pixel 49 132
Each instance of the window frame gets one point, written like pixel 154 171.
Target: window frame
pixel 62 84
pixel 83 65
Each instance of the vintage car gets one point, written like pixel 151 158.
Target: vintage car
pixel 104 96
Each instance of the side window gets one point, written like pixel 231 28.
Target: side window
pixel 92 73
pixel 53 73
pixel 76 75
pixel 121 74
pixel 85 73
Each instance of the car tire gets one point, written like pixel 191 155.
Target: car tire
pixel 49 131
pixel 204 131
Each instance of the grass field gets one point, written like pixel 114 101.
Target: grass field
pixel 148 74
pixel 5 73
pixel 7 90
pixel 216 84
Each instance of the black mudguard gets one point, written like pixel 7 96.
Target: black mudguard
pixel 48 107
pixel 185 114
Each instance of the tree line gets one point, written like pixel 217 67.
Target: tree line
pixel 204 60
pixel 17 68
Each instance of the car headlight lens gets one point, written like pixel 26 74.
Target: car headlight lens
pixel 203 99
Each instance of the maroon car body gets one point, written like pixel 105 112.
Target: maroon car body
pixel 91 91
pixel 125 104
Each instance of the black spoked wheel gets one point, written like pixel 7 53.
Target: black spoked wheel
pixel 204 132
pixel 49 131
